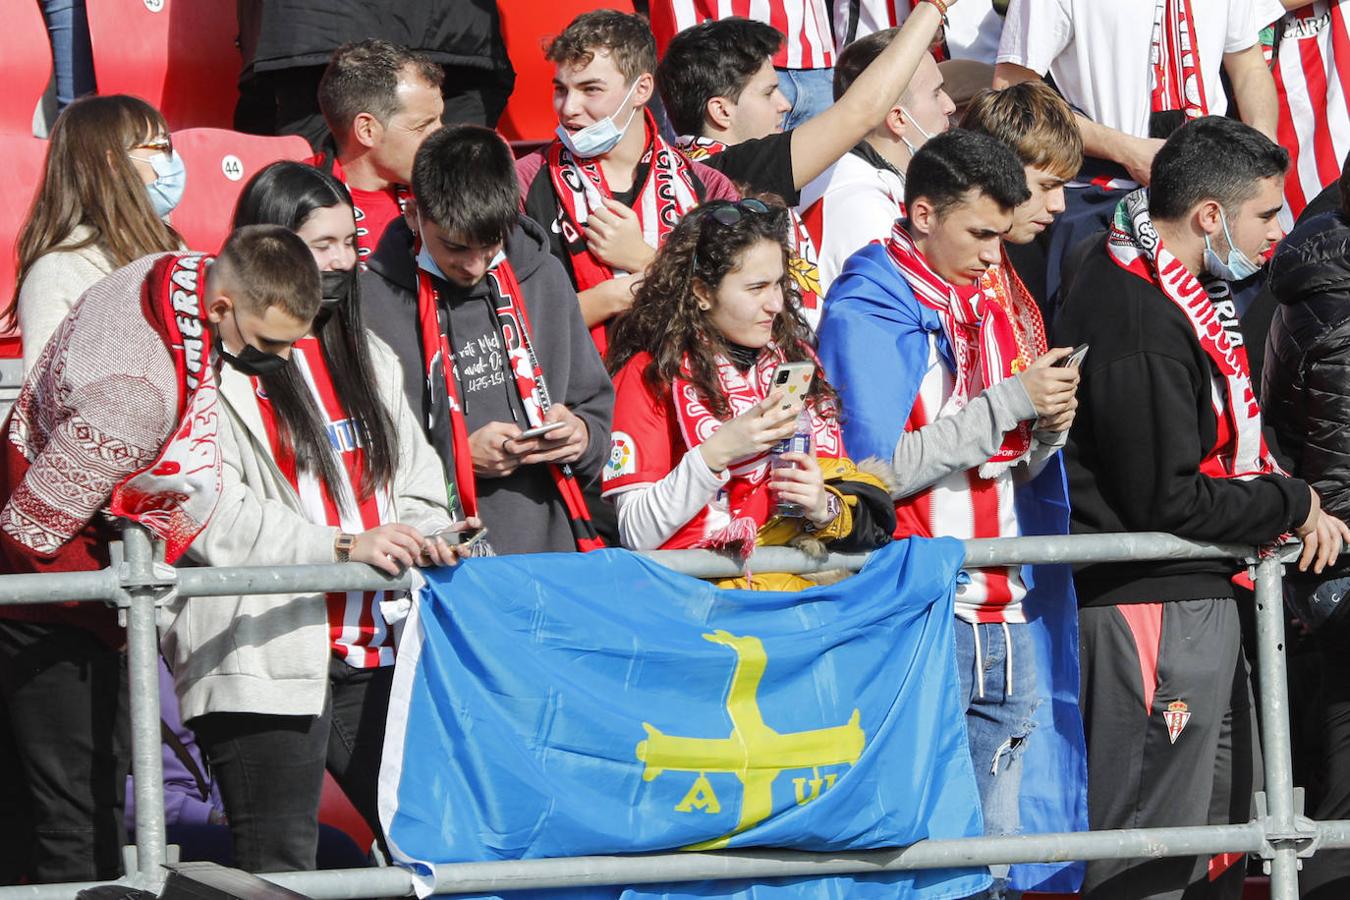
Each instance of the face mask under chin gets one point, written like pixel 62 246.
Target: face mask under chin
pixel 250 360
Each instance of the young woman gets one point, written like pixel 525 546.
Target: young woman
pixel 324 461
pixel 111 177
pixel 695 413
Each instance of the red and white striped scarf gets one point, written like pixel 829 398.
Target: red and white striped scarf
pixel 1135 246
pixel 748 498
pixel 993 328
pixel 666 192
pixel 1178 82
pixel 176 494
pixel 803 265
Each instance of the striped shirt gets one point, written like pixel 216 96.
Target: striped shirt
pixel 357 631
pixel 1312 78
pixel 804 23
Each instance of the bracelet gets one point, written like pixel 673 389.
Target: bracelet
pixel 941 7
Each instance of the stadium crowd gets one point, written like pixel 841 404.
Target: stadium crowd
pixel 785 282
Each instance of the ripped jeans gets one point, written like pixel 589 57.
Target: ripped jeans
pixel 997 665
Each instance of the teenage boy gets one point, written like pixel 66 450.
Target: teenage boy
pixel 1037 125
pixel 609 188
pixel 380 101
pixel 721 93
pixel 949 378
pixel 118 419
pixel 493 346
pixel 1169 438
pixel 857 200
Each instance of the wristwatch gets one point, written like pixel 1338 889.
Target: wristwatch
pixel 342 547
pixel 832 510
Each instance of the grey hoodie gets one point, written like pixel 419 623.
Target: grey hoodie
pixel 523 511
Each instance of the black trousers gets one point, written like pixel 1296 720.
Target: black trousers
pixel 270 768
pixel 1168 716
pixel 64 754
pixel 1327 874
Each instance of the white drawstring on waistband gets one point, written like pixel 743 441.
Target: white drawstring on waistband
pixel 1007 657
pixel 1007 661
pixel 979 662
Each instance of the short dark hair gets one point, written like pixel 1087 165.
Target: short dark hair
pixel 627 37
pixel 269 265
pixel 1214 158
pixel 956 162
pixel 464 180
pixel 362 77
pixel 716 58
pixel 858 56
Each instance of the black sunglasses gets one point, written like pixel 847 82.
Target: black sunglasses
pixel 723 212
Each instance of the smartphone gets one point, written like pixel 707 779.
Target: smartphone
pixel 1075 358
pixel 795 379
pixel 463 539
pixel 541 430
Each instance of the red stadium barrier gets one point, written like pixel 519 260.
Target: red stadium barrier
pixel 28 66
pixel 24 157
pixel 179 55
pixel 219 163
pixel 527 28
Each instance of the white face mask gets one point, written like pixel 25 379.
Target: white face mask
pixel 599 137
pixel 914 122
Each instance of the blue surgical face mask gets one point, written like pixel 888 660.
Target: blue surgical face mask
pixel 170 179
pixel 600 137
pixel 1239 265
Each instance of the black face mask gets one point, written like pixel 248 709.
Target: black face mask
pixel 336 286
pixel 251 361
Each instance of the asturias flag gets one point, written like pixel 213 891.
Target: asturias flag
pixel 591 704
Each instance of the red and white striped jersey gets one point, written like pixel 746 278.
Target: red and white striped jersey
pixel 972 30
pixel 804 23
pixel 1312 78
pixel 963 505
pixel 357 631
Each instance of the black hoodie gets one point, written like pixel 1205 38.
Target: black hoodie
pixel 523 511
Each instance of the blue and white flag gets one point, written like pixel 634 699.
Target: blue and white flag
pixel 591 704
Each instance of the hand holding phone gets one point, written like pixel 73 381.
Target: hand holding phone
pixel 540 431
pixel 1074 359
pixel 794 379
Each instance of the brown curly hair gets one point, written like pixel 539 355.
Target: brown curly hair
pixel 665 319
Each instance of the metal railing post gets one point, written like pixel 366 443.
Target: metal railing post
pixel 1281 824
pixel 147 765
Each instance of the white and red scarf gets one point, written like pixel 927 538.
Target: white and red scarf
pixel 1178 82
pixel 1135 246
pixel 803 265
pixel 749 502
pixel 528 376
pixel 665 194
pixel 994 329
pixel 176 494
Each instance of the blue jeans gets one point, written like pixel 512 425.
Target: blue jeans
pixel 72 57
pixel 810 91
pixel 998 721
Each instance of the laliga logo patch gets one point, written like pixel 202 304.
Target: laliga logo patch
pixel 622 456
pixel 1176 716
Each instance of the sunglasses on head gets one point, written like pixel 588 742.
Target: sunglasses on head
pixel 727 212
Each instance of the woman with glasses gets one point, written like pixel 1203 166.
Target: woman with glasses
pixel 110 180
pixel 324 462
pixel 697 416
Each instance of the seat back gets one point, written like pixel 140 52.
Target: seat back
pixel 178 55
pixel 219 163
pixel 27 55
pixel 527 28
pixel 24 157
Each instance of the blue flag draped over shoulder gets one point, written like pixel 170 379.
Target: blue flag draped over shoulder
pixel 874 345
pixel 579 704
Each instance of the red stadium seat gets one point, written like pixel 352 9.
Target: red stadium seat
pixel 219 163
pixel 27 53
pixel 179 55
pixel 336 810
pixel 24 156
pixel 527 28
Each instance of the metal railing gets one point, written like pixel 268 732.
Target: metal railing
pixel 139 584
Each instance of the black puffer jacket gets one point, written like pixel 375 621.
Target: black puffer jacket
pixel 1305 386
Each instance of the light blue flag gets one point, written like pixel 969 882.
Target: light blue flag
pixel 570 705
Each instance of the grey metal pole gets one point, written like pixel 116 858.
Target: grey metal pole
pixel 1275 740
pixel 147 764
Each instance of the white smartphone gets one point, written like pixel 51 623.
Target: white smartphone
pixel 795 379
pixel 541 430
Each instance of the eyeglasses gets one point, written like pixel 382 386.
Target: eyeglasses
pixel 727 212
